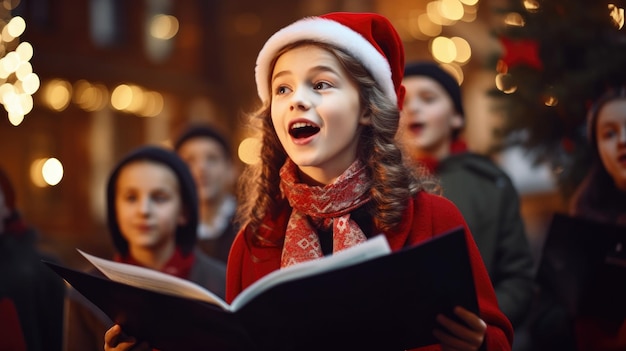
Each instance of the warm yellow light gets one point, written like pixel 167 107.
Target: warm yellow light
pixel 36 175
pixel 505 83
pixel 30 83
pixel 24 69
pixel 121 97
pixel 25 51
pixel 617 16
pixel 531 5
pixel 514 19
pixel 15 119
pixel 433 11
pixel 451 9
pixel 443 49
pixel 455 70
pixel 10 62
pixel 6 36
pixel 90 97
pixel 152 104
pixel 164 26
pixel 57 94
pixel 550 100
pixel 52 171
pixel 5 89
pixel 463 50
pixel 137 99
pixel 427 26
pixel 16 26
pixel 249 151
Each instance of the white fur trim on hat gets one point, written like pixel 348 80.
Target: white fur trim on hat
pixel 325 31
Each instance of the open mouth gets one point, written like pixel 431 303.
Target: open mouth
pixel 416 127
pixel 301 130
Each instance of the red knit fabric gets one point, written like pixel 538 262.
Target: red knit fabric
pixel 178 265
pixel 326 206
pixel 431 163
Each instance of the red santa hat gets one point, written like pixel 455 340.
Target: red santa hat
pixel 368 37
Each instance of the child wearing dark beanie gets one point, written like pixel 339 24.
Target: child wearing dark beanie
pixel 152 216
pixel 430 133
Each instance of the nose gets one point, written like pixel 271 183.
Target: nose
pixel 144 206
pixel 300 100
pixel 622 135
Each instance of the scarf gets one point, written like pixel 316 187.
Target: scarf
pixel 322 207
pixel 431 163
pixel 178 265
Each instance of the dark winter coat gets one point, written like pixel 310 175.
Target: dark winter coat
pixel 490 204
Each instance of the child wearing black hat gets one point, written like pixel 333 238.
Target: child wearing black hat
pixel 430 129
pixel 152 213
pixel 331 175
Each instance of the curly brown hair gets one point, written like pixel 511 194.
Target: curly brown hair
pixel 393 180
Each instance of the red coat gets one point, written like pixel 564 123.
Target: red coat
pixel 426 216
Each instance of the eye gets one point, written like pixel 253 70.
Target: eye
pixel 282 89
pixel 608 133
pixel 160 197
pixel 321 85
pixel 429 98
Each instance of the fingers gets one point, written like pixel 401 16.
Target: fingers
pixel 116 340
pixel 461 336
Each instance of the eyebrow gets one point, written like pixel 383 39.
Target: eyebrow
pixel 316 69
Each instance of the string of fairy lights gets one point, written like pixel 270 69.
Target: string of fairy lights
pixel 18 82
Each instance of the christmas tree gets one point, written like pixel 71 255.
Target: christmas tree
pixel 558 56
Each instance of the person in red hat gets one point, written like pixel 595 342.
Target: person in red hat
pixel 331 175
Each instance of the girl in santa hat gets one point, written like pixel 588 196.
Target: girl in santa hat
pixel 330 174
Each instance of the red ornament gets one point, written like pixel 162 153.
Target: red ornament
pixel 521 52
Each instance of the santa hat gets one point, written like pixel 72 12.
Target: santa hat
pixel 368 37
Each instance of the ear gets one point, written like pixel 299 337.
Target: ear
pixel 182 218
pixel 366 117
pixel 457 122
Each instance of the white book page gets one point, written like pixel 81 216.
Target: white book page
pixel 372 248
pixel 153 280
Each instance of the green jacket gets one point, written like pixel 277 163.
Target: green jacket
pixel 490 204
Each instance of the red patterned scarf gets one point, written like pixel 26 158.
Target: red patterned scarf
pixel 322 207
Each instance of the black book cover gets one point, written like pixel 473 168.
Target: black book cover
pixel 386 303
pixel 583 263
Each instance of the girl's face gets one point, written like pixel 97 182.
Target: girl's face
pixel 611 139
pixel 211 169
pixel 148 205
pixel 316 112
pixel 428 118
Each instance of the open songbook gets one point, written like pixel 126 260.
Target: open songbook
pixel 364 297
